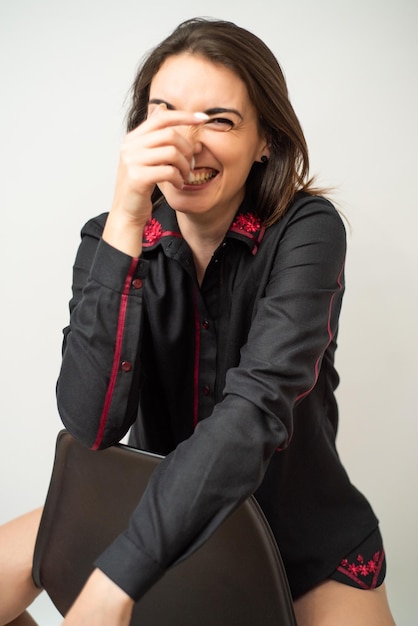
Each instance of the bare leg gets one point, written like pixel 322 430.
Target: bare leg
pixel 23 620
pixel 335 604
pixel 17 542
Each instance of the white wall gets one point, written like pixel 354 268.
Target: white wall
pixel 352 70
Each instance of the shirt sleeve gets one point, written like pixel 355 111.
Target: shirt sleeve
pixel 98 385
pixel 296 321
pixel 201 482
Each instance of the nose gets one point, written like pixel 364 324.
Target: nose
pixel 197 147
pixel 193 135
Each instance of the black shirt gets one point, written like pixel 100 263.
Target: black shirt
pixel 234 381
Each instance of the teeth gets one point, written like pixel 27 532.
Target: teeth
pixel 198 178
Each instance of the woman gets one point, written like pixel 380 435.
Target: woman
pixel 204 316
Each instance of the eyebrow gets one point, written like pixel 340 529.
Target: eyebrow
pixel 212 111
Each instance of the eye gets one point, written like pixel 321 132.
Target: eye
pixel 222 124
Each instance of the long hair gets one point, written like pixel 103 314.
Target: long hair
pixel 270 186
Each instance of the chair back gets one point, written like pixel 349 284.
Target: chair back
pixel 235 578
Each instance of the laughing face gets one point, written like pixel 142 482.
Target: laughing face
pixel 225 146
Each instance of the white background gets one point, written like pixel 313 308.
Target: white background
pixel 351 67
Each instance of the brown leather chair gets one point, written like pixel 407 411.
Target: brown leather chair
pixel 235 578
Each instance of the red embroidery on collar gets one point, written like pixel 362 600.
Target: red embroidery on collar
pixel 248 222
pixel 153 231
pixel 249 225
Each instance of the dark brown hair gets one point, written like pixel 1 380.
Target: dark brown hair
pixel 271 186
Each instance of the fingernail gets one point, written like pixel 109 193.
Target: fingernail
pixel 192 163
pixel 160 107
pixel 201 116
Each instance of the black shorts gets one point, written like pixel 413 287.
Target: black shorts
pixel 364 567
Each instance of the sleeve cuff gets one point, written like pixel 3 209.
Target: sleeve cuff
pixel 111 266
pixel 132 570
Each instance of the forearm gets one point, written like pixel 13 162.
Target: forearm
pixel 191 492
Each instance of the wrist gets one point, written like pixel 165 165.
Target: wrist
pixel 109 592
pixel 124 233
pixel 101 601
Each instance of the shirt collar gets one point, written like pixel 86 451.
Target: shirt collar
pixel 162 229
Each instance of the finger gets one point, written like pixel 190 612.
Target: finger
pixel 164 147
pixel 170 174
pixel 161 117
pixel 170 155
pixel 170 136
pixel 144 179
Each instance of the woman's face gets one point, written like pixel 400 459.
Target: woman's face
pixel 225 146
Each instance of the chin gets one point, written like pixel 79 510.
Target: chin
pixel 180 202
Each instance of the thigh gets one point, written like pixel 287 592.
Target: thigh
pixel 335 604
pixel 17 543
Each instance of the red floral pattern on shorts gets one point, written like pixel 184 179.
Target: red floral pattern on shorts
pixel 363 572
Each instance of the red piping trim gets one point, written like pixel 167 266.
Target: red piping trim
pixel 379 567
pixel 331 303
pixel 256 240
pixel 329 331
pixel 164 233
pixel 196 362
pixel 117 353
pixel 260 237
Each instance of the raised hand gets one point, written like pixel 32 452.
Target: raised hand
pixel 157 151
